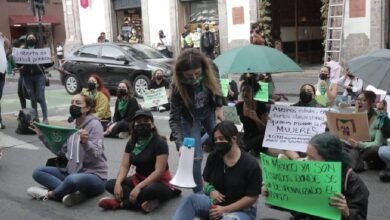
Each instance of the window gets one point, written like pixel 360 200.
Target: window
pixel 142 52
pixel 111 53
pixel 90 52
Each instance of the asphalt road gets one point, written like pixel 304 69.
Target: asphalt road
pixel 25 152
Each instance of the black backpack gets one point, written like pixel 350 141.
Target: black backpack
pixel 25 118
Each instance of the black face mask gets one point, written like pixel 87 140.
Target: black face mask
pixel 222 148
pixel 121 93
pixel 31 42
pixel 91 86
pixel 159 77
pixel 323 77
pixel 143 130
pixel 305 97
pixel 75 111
pixel 350 75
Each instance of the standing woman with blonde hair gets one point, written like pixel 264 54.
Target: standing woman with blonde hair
pixel 195 102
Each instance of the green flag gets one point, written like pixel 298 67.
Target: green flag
pixel 55 135
pixel 224 86
pixel 321 99
pixel 303 186
pixel 262 95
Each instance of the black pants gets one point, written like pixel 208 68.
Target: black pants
pixel 2 82
pixel 155 191
pixel 209 51
pixel 121 126
pixel 368 155
pixel 254 145
pixel 21 93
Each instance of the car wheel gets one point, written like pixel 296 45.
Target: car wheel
pixel 72 84
pixel 140 84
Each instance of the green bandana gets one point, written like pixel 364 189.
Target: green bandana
pixel 92 94
pixel 193 82
pixel 141 145
pixel 122 106
pixel 322 88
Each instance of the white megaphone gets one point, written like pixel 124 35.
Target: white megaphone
pixel 184 175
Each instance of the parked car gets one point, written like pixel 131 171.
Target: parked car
pixel 113 62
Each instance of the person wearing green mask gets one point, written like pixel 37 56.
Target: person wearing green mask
pixel 196 101
pixel 149 186
pixel 325 87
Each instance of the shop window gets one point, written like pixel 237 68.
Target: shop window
pixel 111 53
pixel 25 1
pixel 357 8
pixel 90 52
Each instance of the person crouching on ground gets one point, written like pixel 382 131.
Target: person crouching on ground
pixel 86 171
pixel 149 186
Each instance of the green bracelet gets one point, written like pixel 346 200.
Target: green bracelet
pixel 208 189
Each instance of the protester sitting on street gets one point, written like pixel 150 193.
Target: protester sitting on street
pixel 232 96
pixel 353 199
pixel 101 96
pixel 125 107
pixel 149 186
pixel 325 87
pixel 86 170
pixel 158 81
pixel 384 151
pixel 253 115
pixel 232 181
pixel 352 87
pixel 196 101
pixel 364 154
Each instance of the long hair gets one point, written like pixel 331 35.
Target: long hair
pixel 251 81
pixel 134 138
pixel 192 59
pixel 129 87
pixel 101 88
pixel 155 72
pixel 331 148
pixel 89 102
pixel 228 129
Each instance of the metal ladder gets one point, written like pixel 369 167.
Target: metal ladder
pixel 334 31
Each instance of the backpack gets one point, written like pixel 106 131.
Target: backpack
pixel 207 40
pixel 25 118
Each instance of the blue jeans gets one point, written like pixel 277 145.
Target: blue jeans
pixel 198 205
pixel 208 122
pixel 384 154
pixel 62 183
pixel 35 85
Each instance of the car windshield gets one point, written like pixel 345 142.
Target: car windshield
pixel 142 52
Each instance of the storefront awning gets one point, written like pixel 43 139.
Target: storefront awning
pixel 31 20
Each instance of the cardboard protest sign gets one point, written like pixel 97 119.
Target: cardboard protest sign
pixel 303 186
pixel 31 56
pixel 155 97
pixel 224 86
pixel 291 128
pixel 55 136
pixel 349 125
pixel 230 114
pixel 262 95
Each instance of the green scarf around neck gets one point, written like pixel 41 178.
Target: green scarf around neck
pixel 141 144
pixel 122 106
pixel 323 89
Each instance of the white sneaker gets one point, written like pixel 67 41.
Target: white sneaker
pixel 73 198
pixel 161 109
pixel 282 156
pixel 123 135
pixel 36 192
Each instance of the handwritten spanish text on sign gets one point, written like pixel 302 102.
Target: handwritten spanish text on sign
pixel 303 186
pixel 224 86
pixel 155 97
pixel 31 56
pixel 291 128
pixel 349 125
pixel 263 94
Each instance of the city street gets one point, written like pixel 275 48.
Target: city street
pixel 23 153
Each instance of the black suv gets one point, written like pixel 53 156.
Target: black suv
pixel 113 62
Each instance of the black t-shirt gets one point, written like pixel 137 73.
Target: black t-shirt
pixel 163 83
pixel 242 179
pixel 146 160
pixel 250 126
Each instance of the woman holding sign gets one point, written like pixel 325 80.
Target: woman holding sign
pixel 353 199
pixel 232 181
pixel 158 81
pixel 86 170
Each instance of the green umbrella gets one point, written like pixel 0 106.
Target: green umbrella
pixel 55 135
pixel 255 59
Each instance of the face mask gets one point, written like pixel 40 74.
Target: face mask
pixel 194 82
pixel 198 30
pixel 143 130
pixel 121 92
pixel 75 111
pixel 323 77
pixel 222 148
pixel 91 86
pixel 31 42
pixel 305 97
pixel 159 77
